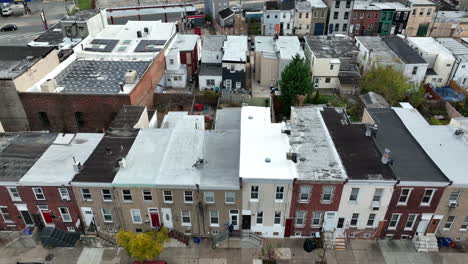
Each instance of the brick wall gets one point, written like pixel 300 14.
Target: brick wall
pixel 143 92
pixel 5 201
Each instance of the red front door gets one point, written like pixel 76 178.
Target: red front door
pixel 47 217
pixel 154 219
pixel 288 228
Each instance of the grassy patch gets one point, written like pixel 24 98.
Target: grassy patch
pixel 437 122
pixel 84 4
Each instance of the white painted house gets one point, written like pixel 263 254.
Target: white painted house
pixel 267 175
pixel 460 70
pixel 210 75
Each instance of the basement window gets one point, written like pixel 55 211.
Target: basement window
pixel 44 119
pixel 79 117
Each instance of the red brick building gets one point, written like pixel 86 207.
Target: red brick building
pixel 190 53
pixel 365 19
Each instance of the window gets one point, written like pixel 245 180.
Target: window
pixel 171 61
pixel 65 213
pixel 348 4
pixel 71 229
pixel 300 218
pixel 337 26
pixel 64 194
pixel 307 26
pixel 357 28
pixel 465 224
pixel 307 15
pixel 167 195
pixel 214 217
pixel 284 15
pixel 370 220
pixel 404 195
pixel 279 193
pixel 327 80
pixel 86 194
pixel 106 195
pixel 322 15
pixel 315 14
pixel 277 219
pixel 14 194
pixel 136 216
pixel 346 15
pixel 254 193
pixel 331 66
pixel 376 15
pixel 354 194
pixel 354 220
pixel 268 16
pixel 449 223
pixel 107 215
pixel 39 193
pixel 368 15
pixel 405 15
pixel 186 218
pixel 397 15
pixel 210 82
pixel 304 192
pixel 414 12
pixel 276 16
pixel 361 15
pixel 421 11
pixel 427 198
pixel 127 195
pixel 317 218
pixel 300 26
pixel 79 119
pixel 439 80
pixel 230 197
pixel 259 218
pixel 394 221
pixel 327 194
pixel 300 15
pixel 415 70
pixel 354 15
pixel 209 197
pixel 147 196
pixel 337 4
pixel 188 196
pixel 44 119
pixel 454 196
pixel 377 195
pixel 345 27
pixel 335 15
pixel 232 68
pixel 429 11
pixel 411 221
pixel 5 214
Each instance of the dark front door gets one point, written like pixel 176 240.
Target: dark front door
pixel 288 228
pixel 246 222
pixel 422 30
pixel 340 222
pixel 27 218
pixel 319 28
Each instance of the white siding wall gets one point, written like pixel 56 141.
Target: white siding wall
pixel 461 74
pixel 202 79
pixel 211 56
pixel 420 73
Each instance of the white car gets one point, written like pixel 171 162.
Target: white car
pixel 7 11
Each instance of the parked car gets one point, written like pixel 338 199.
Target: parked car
pixel 9 27
pixel 7 11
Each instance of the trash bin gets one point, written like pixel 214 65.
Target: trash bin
pixel 28 231
pixel 196 240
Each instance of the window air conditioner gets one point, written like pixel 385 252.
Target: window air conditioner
pixel 453 204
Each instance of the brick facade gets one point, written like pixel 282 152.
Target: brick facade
pixel 365 22
pixel 192 65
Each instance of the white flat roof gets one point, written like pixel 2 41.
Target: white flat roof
pixel 185 42
pixel 289 46
pixel 365 5
pixel 317 3
pixel 55 166
pixel 448 151
pixel 183 120
pixel 235 49
pixel 430 45
pixel 263 147
pixel 264 44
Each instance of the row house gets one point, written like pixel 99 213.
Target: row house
pixel 266 173
pixel 213 7
pixel 369 188
pixel 374 52
pixel 421 17
pixel 386 18
pixel 234 63
pixel 447 147
pixel 319 17
pixel 450 24
pixel 210 75
pixel 440 60
pixel 339 16
pixel 459 73
pixel 303 18
pixel 411 212
pixel 365 19
pixel 182 60
pixel 400 17
pixel 278 17
pixel 317 190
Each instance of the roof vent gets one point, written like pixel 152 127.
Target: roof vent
pixel 291 156
pixel 267 160
pixel 371 130
pixel 139 35
pixel 199 163
pixel 121 163
pixel 459 132
pixel 386 158
pixel 76 165
pixel 130 77
pixel 250 117
pixel 108 151
pixel 146 30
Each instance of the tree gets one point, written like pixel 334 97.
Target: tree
pixel 386 81
pixel 143 246
pixel 416 98
pixel 295 80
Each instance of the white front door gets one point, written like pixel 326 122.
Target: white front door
pixel 88 215
pixel 330 221
pixel 167 217
pixel 234 218
pixel 229 84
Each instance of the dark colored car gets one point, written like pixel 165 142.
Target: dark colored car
pixel 9 27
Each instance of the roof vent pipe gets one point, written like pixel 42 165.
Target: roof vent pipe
pixel 386 158
pixel 291 156
pixel 146 30
pixel 139 35
pixel 371 130
pixel 76 165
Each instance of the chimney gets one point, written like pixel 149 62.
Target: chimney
pixel 139 35
pixel 386 158
pixel 371 130
pixel 291 156
pixel 76 165
pixel 121 86
pixel 146 30
pixel 123 163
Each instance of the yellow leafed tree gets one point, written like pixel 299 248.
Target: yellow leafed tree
pixel 143 246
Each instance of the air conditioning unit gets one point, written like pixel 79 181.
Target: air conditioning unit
pixel 130 77
pixel 67 199
pixel 316 85
pixel 453 204
pixel 375 206
pixel 49 86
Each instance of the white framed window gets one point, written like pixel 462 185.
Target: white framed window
pixel 404 237
pixel 411 221
pixel 404 195
pixel 209 197
pixel 188 196
pixel 147 196
pixel 171 61
pixel 279 195
pixel 454 196
pixel 5 214
pixel 317 218
pixel 277 219
pixel 304 193
pixel 86 195
pixel 354 220
pixel 127 195
pixel 371 220
pixel 14 194
pixel 65 213
pixel 254 193
pixel 427 197
pixel 107 215
pixel 106 195
pixel 167 196
pixel 464 226
pixel 136 216
pixel 259 217
pixel 38 193
pixel 297 234
pixel 71 229
pixel 210 82
pixel 377 195
pixel 394 221
pixel 449 223
pixel 238 85
pixel 64 195
pixel 354 194
pixel 327 194
pixel 232 68
pixel 300 218
pixel 229 197
pixel 186 221
pixel 214 217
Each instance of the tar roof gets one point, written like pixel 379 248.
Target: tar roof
pixel 55 166
pixel 383 54
pixel 53 36
pixel 365 5
pixel 331 46
pixel 263 147
pixel 15 60
pixel 303 6
pixel 82 15
pixel 358 153
pixel 19 152
pixel 128 116
pixel 448 150
pixel 373 100
pixel 213 42
pixel 225 13
pixel 317 158
pixel 410 162
pixel 210 69
pixel 235 49
pixel 287 4
pixel 271 5
pixel 404 51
